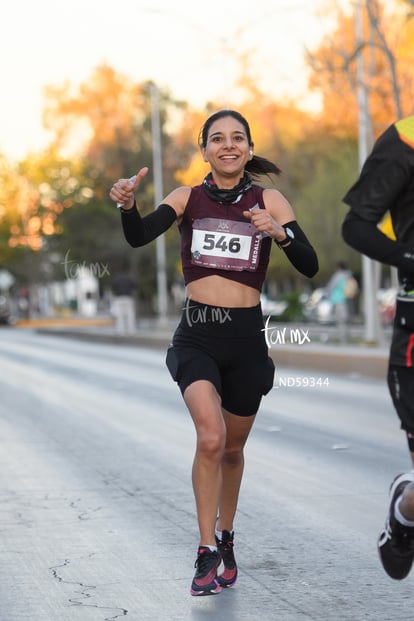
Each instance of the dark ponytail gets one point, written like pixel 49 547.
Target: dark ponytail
pixel 261 166
pixel 257 165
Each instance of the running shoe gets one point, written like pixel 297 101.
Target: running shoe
pixel 225 547
pixel 205 580
pixel 396 542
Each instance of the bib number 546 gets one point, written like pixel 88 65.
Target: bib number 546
pixel 211 242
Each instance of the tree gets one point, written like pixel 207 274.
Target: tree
pixel 24 220
pixel 111 118
pixel 388 56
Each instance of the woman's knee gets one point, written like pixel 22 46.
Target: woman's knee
pixel 211 443
pixel 233 456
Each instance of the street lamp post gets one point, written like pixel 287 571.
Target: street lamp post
pixel 162 295
pixel 370 268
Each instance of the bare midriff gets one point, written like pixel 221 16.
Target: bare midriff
pixel 218 291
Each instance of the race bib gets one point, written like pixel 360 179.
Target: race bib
pixel 225 244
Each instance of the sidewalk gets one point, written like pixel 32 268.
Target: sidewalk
pixel 296 347
pixel 358 360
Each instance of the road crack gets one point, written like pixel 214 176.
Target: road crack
pixel 81 597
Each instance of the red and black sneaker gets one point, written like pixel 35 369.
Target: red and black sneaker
pixel 205 581
pixel 225 547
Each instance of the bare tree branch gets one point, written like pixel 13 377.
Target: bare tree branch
pixel 374 18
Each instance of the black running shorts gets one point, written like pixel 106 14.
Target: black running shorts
pixel 401 387
pixel 227 347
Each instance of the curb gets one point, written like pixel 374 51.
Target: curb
pixel 355 362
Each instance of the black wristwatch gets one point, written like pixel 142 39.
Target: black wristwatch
pixel 289 237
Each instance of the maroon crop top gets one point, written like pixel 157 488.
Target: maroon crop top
pixel 217 239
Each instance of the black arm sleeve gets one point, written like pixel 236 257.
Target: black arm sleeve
pixel 300 252
pixel 366 237
pixel 140 231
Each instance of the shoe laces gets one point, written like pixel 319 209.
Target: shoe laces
pixel 205 560
pixel 226 548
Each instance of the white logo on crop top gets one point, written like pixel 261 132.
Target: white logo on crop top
pixel 223 225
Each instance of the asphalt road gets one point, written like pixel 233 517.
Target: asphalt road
pixel 97 517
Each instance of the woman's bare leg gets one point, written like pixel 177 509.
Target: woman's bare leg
pixel 204 405
pixel 232 466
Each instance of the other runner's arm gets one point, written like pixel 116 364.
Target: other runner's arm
pixel 367 238
pixel 383 179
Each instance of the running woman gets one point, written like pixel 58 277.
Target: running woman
pixel 219 357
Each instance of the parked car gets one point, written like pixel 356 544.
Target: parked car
pixel 272 308
pixel 386 301
pixel 318 307
pixel 5 314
